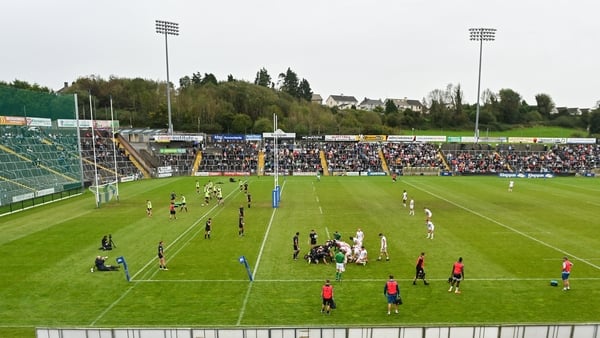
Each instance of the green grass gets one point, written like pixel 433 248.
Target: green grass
pixel 539 131
pixel 512 245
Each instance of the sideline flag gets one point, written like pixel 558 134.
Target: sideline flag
pixel 243 260
pixel 121 260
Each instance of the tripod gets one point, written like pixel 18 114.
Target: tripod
pixel 111 242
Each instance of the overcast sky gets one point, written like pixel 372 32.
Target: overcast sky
pixel 375 49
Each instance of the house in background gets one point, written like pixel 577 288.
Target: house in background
pixel 568 111
pixel 403 104
pixel 316 98
pixel 370 104
pixel 341 101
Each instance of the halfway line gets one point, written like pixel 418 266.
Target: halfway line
pixel 262 247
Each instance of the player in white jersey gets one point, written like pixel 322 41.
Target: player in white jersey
pixel 362 256
pixel 428 214
pixel 360 235
pixel 356 244
pixel 430 229
pixel 383 249
pixel 411 207
pixel 404 198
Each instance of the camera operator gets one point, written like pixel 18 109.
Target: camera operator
pixel 101 266
pixel 107 243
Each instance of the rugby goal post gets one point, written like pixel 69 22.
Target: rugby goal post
pixel 104 192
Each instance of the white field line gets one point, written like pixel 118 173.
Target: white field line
pixel 190 228
pixel 577 186
pixel 507 227
pixel 260 252
pixel 358 280
pixel 592 203
pixel 113 304
pixel 525 232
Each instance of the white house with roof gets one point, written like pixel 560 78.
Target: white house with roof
pixel 370 104
pixel 341 101
pixel 316 98
pixel 405 103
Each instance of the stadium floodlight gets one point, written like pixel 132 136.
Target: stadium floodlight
pixel 480 34
pixel 168 28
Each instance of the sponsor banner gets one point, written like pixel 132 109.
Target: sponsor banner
pixel 401 138
pixel 23 197
pixel 343 138
pixel 579 140
pixel 12 121
pixel 351 173
pixel 493 139
pixel 106 124
pixel 234 173
pixel 273 174
pixel 550 140
pixel 372 138
pixel 161 138
pixel 280 134
pixel 430 138
pixel 164 170
pixel 220 173
pixel 44 192
pixel 416 138
pixel 129 178
pixel 84 123
pixel 522 139
pixel 304 173
pixel 314 138
pixel 589 174
pixel 62 123
pixel 539 175
pixel 176 138
pixel 162 175
pixel 375 173
pixel 172 151
pixel 39 122
pixel 526 175
pixel 253 137
pixel 446 173
pixel 67 123
pixel 227 137
pixel 454 139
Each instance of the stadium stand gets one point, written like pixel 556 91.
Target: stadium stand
pixel 32 164
pixel 105 158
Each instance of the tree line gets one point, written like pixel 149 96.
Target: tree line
pixel 202 103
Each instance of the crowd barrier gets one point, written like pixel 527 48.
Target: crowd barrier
pixel 502 331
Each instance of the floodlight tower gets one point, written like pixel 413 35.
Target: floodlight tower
pixel 168 28
pixel 480 34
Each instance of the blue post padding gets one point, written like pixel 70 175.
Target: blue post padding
pixel 243 260
pixel 121 260
pixel 278 188
pixel 274 198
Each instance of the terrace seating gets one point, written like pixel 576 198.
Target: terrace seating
pixel 31 162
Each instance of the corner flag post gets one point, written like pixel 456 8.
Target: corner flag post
pixel 121 260
pixel 243 260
